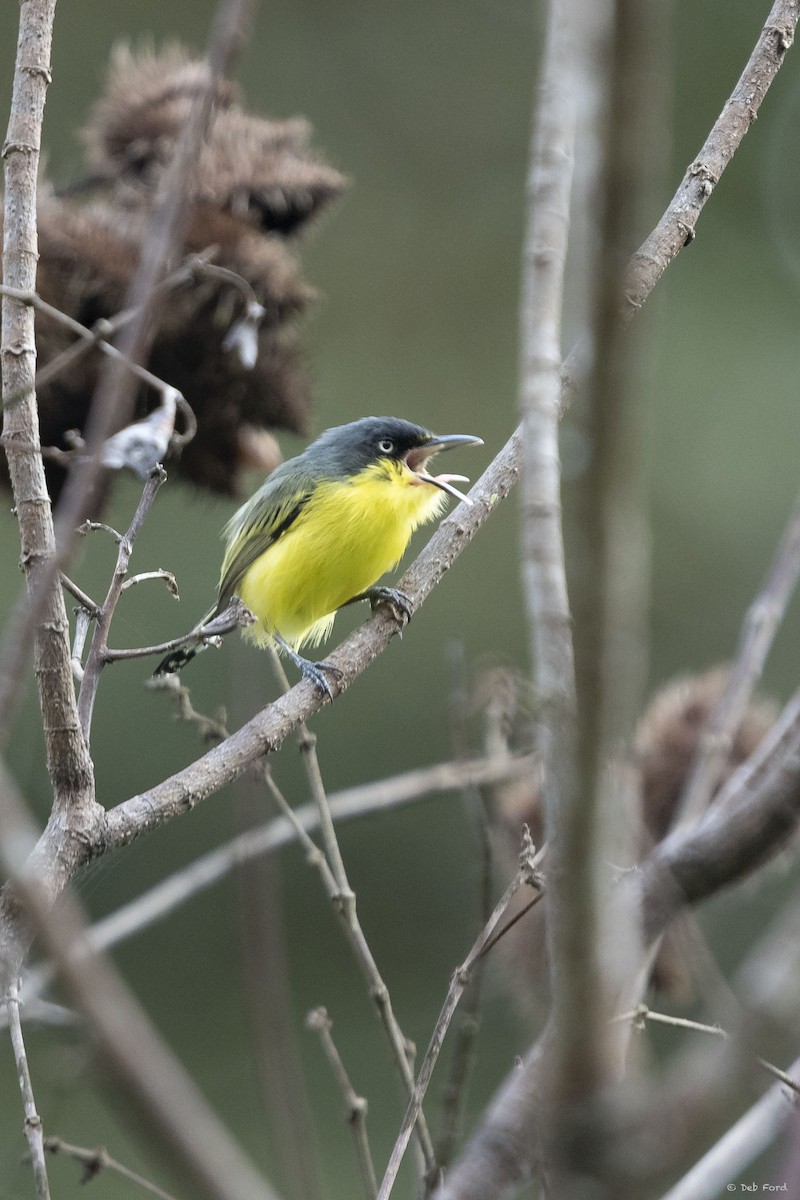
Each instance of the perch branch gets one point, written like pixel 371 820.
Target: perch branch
pixel 235 616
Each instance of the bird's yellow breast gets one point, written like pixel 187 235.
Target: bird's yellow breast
pixel 349 533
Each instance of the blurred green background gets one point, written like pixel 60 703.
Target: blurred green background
pixel 426 107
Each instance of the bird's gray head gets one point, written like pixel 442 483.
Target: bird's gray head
pixel 347 450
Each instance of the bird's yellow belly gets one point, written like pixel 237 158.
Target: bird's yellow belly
pixel 348 535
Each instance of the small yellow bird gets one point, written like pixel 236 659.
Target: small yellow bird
pixel 323 528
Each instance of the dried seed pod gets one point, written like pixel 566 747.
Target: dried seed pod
pixel 228 337
pixel 665 745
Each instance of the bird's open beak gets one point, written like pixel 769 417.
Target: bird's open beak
pixel 417 459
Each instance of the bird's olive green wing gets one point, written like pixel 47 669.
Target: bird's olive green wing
pixel 259 523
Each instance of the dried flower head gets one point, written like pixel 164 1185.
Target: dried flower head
pixel 665 745
pixel 228 335
pixel 258 170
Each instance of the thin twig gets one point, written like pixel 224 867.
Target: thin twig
pixel 97 1160
pixel 167 576
pixel 465 1037
pixel 334 876
pixel 268 1000
pixel 319 1021
pixel 527 874
pixel 676 229
pixel 86 334
pixel 33 1122
pixel 96 659
pixel 758 631
pixel 210 729
pixel 235 616
pixel 641 1014
pixel 86 602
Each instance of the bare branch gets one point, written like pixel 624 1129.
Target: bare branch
pixel 235 616
pixel 640 1015
pixel 330 866
pixel 87 335
pixel 365 800
pixel 676 228
pixel 97 651
pixel 68 761
pixel 95 1161
pixel 319 1021
pixel 33 1122
pixel 755 815
pixel 527 874
pixel 760 625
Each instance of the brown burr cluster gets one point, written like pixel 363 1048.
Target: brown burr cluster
pixel 665 746
pixel 228 340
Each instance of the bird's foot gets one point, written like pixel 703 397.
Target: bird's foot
pixel 395 598
pixel 314 671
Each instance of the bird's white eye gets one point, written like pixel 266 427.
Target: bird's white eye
pixel 386 445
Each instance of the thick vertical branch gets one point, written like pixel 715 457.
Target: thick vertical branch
pixel 67 757
pixel 609 568
pixel 572 1068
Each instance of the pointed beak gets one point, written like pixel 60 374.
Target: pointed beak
pixel 452 439
pixel 417 458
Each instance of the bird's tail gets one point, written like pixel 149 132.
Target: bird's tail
pixel 177 660
pixel 174 662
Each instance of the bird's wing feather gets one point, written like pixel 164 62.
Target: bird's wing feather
pixel 258 524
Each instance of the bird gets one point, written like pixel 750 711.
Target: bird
pixel 322 530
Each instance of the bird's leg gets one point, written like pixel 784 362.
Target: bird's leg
pixel 309 670
pixel 394 597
